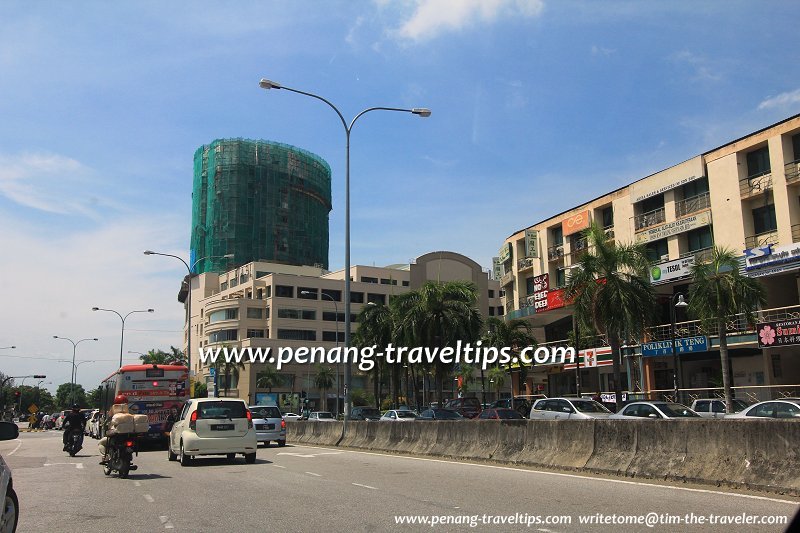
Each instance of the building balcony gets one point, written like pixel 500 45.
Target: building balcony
pixel 692 205
pixel 526 301
pixel 506 279
pixel 792 172
pixel 796 233
pixel 525 264
pixel 651 218
pixel 761 239
pixel 609 231
pixel 700 256
pixel 755 185
pixel 554 253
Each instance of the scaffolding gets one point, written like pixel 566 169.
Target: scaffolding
pixel 260 201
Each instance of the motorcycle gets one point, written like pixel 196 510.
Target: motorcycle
pixel 119 454
pixel 74 441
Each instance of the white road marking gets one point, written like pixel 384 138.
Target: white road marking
pixel 149 498
pixel 313 474
pixel 368 487
pixel 17 448
pixel 166 522
pixel 575 476
pixel 278 466
pixel 307 455
pixel 137 483
pixel 77 465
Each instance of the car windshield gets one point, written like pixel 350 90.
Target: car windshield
pixel 508 414
pixel 446 414
pixel 270 411
pixel 221 409
pixel 406 414
pixel 325 415
pixel 589 406
pixel 676 410
pixel 370 412
pixel 739 405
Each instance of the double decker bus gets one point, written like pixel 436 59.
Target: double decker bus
pixel 157 391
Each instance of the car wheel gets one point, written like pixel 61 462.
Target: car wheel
pixel 184 459
pixel 231 457
pixel 250 458
pixel 170 456
pixel 8 520
pixel 282 443
pixel 266 443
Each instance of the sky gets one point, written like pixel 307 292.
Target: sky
pixel 537 106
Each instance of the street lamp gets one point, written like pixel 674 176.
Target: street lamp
pixel 74 349
pixel 79 363
pixel 189 302
pixel 122 335
pixel 7 347
pixel 339 364
pixel 419 111
pixel 676 375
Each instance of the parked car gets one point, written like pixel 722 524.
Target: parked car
pixel 213 426
pixel 715 407
pixel 568 409
pixel 289 417
pixel 782 408
pixel 10 510
pixel 522 404
pixel 466 407
pixel 499 414
pixel 321 416
pixel 269 424
pixel 399 415
pixel 654 410
pixel 440 414
pixel 365 413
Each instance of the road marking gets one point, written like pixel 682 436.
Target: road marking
pixel 77 465
pixel 313 474
pixel 17 448
pixel 166 522
pixel 368 487
pixel 575 476
pixel 278 466
pixel 149 498
pixel 307 455
pixel 137 483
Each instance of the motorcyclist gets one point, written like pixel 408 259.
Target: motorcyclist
pixel 73 421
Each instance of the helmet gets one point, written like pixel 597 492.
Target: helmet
pixel 120 398
pixel 76 407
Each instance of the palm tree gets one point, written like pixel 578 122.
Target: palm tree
pixel 611 292
pixel 465 372
pixel 498 376
pixel 229 369
pixel 160 357
pixel 268 378
pixel 719 290
pixel 438 315
pixel 376 326
pixel 324 381
pixel 515 334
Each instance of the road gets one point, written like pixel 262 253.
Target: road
pixel 302 488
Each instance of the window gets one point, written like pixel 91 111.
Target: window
pixel 268 291
pixel 607 215
pixel 764 219
pixel 330 336
pixel 223 286
pixel 787 410
pixel 224 335
pixel 366 279
pixel 491 293
pixel 297 314
pixel 255 312
pixel 312 293
pixel 657 250
pixel 700 239
pixel 701 406
pixel 529 285
pixel 233 282
pixel 405 284
pixel 491 311
pixel 777 371
pixel 243 278
pixel 260 294
pixel 765 410
pixel 261 273
pixel 561 277
pixel 297 334
pixel 223 314
pixel 357 297
pixel 500 310
pixel 284 291
pixel 332 293
pixel 558 236
pixel 758 162
pixel 695 188
pixel 385 281
pixel 376 298
pixel 255 333
pixel 330 316
pixel 796 146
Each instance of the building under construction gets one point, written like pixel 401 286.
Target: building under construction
pixel 260 201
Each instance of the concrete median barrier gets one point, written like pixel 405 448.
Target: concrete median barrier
pixel 753 454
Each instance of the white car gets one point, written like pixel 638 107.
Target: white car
pixel 401 415
pixel 321 416
pixel 568 409
pixel 213 426
pixel 789 409
pixel 93 424
pixel 10 511
pixel 291 416
pixel 654 410
pixel 715 407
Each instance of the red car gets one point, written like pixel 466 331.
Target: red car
pixel 466 407
pixel 500 414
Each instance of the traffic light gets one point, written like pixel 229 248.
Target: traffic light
pixel 39 377
pixel 17 394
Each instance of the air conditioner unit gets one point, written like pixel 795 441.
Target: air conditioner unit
pixel 665 257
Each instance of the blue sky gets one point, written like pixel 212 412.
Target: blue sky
pixel 537 106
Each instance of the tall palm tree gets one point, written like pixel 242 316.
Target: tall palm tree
pixel 719 290
pixel 466 374
pixel 498 376
pixel 515 334
pixel 229 369
pixel 376 326
pixel 324 381
pixel 268 378
pixel 611 292
pixel 438 315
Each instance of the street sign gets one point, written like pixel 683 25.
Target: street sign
pixel 212 372
pixel 695 344
pixel 33 408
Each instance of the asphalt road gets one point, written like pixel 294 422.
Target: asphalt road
pixel 301 488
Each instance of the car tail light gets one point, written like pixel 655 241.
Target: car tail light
pixel 129 444
pixel 249 419
pixel 193 421
pixel 283 423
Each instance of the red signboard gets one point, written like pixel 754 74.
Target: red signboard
pixel 555 299
pixel 541 284
pixel 575 223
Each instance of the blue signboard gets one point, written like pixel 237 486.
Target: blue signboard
pixel 686 345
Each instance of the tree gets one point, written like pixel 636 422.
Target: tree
pixel 200 390
pixel 268 378
pixel 65 398
pixel 160 357
pixel 465 375
pixel 229 370
pixel 611 292
pixel 435 316
pixel 94 398
pixel 515 334
pixel 498 376
pixel 376 326
pixel 324 381
pixel 717 291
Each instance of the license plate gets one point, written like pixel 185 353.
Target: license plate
pixel 221 427
pixel 261 427
pixel 270 426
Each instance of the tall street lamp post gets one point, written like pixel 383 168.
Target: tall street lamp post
pixel 419 111
pixel 676 375
pixel 122 335
pixel 338 365
pixel 74 349
pixel 189 269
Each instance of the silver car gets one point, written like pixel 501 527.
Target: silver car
pixel 567 409
pixel 654 411
pixel 786 409
pixel 321 416
pixel 269 424
pixel 715 407
pixel 9 515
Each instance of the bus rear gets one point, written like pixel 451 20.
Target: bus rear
pixel 157 391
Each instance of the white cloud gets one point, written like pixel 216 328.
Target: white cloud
pixel 782 100
pixel 432 18
pixel 699 64
pixel 602 51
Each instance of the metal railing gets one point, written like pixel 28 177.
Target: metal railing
pixel 506 278
pixel 651 218
pixel 555 252
pixel 796 233
pixel 755 185
pixel 700 256
pixel 792 171
pixel 609 231
pixel 762 239
pixel 525 264
pixel 692 205
pixel 750 394
pixel 526 301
